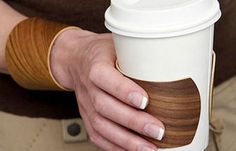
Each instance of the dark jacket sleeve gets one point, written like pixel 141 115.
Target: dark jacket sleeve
pixel 87 14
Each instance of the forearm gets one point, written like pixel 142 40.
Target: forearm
pixel 8 19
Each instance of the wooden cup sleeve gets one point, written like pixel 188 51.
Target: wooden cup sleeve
pixel 177 104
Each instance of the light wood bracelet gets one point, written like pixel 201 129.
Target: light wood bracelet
pixel 28 53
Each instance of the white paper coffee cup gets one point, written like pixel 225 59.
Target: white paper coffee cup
pixel 167 40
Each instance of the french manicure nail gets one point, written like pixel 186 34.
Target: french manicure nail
pixel 154 131
pixel 144 148
pixel 138 100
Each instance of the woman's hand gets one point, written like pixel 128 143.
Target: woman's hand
pixel 109 103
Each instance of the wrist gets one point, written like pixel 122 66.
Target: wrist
pixel 62 54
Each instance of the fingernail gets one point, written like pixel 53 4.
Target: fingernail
pixel 154 131
pixel 138 100
pixel 145 148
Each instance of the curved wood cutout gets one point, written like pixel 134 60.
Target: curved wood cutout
pixel 177 104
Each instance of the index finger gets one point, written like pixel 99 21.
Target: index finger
pixel 107 78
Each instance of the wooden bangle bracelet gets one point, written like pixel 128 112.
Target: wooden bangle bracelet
pixel 28 53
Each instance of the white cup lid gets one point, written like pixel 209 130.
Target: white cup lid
pixel 160 18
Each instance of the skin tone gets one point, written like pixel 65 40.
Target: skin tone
pixel 109 103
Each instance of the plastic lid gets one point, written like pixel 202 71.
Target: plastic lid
pixel 160 18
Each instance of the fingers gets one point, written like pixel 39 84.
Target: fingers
pixel 113 82
pixel 107 134
pixel 119 135
pixel 120 113
pixel 96 138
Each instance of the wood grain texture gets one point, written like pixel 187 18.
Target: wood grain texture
pixel 177 104
pixel 28 53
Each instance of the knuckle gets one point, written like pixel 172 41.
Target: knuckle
pixel 124 87
pixel 98 104
pixel 120 87
pixel 95 120
pixel 92 73
pixel 95 72
pixel 129 144
pixel 83 79
pixel 96 47
pixel 131 122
